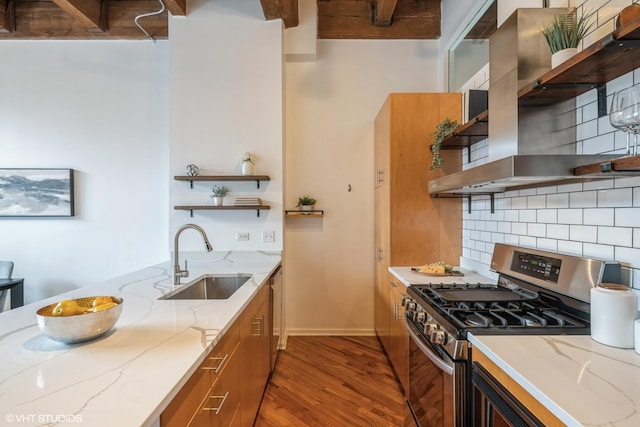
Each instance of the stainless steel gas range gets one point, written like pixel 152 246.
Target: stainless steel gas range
pixel 537 292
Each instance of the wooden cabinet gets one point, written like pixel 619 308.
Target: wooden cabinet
pixel 411 228
pixel 256 353
pixel 227 387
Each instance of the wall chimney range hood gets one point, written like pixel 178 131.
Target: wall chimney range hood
pixel 527 145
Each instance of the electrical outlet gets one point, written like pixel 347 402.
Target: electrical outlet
pixel 242 237
pixel 268 236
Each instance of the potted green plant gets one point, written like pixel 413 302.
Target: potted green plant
pixel 443 130
pixel 217 194
pixel 306 203
pixel 564 34
pixel 248 162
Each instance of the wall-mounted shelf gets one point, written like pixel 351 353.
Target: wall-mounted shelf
pixel 628 165
pixel 297 212
pixel 475 130
pixel 609 58
pixel 192 208
pixel 256 178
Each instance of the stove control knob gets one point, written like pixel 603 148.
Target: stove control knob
pixel 420 316
pixel 406 300
pixel 411 306
pixel 430 327
pixel 438 337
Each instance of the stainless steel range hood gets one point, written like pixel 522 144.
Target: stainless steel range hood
pixel 527 145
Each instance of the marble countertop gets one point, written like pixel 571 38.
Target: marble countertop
pixel 129 375
pixel 582 382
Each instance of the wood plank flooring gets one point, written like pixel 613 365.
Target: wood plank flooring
pixel 332 381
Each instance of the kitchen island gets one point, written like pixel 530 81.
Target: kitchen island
pixel 129 375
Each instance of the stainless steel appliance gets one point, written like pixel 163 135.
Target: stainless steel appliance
pixel 537 292
pixel 275 302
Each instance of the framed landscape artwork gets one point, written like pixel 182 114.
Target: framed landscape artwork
pixel 36 192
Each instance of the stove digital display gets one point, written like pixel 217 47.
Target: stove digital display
pixel 538 266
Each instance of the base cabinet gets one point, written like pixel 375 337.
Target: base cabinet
pixel 227 388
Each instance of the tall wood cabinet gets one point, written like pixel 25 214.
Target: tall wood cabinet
pixel 411 228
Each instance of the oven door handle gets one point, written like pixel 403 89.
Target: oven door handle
pixel 441 364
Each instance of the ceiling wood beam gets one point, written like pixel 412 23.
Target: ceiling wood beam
pixel 7 16
pixel 287 10
pixel 352 19
pixel 44 20
pixel 87 12
pixel 176 7
pixel 384 12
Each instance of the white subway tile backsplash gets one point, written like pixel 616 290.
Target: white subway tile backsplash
pixel 527 215
pixel 631 181
pixel 558 231
pixel 588 129
pixel 598 216
pixel 547 245
pixel 570 188
pixel 527 192
pixel 552 189
pixel 511 215
pixel 621 197
pixel 628 255
pixel 491 226
pixel 589 115
pixel 547 216
pixel 519 228
pixel 502 204
pixel 560 200
pixel 569 216
pixel 519 203
pixel 511 239
pixel 536 202
pixel 597 251
pixel 504 227
pixel 528 241
pixel 570 247
pixel 497 237
pixel 636 237
pixel 598 184
pixel 627 217
pixel 537 230
pixel 583 233
pixel 585 199
pixel 616 236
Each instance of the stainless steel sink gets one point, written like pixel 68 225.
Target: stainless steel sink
pixel 209 287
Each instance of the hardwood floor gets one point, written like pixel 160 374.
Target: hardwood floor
pixel 332 381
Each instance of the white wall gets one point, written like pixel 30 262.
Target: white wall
pixel 331 106
pixel 226 91
pixel 101 109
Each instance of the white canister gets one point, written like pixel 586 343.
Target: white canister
pixel 636 331
pixel 614 309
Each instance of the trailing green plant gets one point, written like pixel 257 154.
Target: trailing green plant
pixel 306 201
pixel 219 191
pixel 566 31
pixel 443 130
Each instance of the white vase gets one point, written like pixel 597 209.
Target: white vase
pixel 217 201
pixel 247 168
pixel 306 207
pixel 562 55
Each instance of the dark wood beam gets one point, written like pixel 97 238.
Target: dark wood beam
pixel 384 12
pixel 352 19
pixel 85 12
pixel 176 7
pixel 287 10
pixel 7 16
pixel 44 20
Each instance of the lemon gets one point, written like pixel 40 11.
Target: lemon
pixel 66 308
pixel 101 300
pixel 104 306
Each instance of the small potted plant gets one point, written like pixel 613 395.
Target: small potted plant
pixel 248 163
pixel 218 193
pixel 306 203
pixel 564 34
pixel 443 130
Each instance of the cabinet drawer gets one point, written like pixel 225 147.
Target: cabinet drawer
pixel 222 401
pixel 219 357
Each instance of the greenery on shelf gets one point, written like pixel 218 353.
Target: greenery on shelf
pixel 566 31
pixel 219 191
pixel 306 201
pixel 443 130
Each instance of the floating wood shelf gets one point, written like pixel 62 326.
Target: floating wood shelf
pixel 630 165
pixel 192 208
pixel 475 130
pixel 611 57
pixel 256 178
pixel 297 212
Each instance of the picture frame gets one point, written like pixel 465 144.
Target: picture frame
pixel 36 192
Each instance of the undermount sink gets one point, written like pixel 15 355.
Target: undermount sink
pixel 209 287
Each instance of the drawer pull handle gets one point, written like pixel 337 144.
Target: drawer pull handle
pixel 220 365
pixel 219 408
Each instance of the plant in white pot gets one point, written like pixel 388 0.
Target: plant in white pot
pixel 564 35
pixel 248 162
pixel 217 194
pixel 306 203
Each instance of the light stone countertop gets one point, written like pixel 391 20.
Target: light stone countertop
pixel 580 381
pixel 129 375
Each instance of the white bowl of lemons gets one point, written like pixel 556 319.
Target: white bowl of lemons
pixel 76 320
